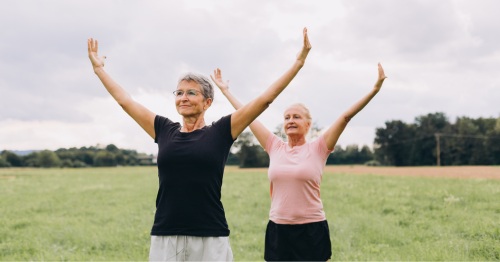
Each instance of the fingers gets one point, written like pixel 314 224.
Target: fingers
pixel 93 45
pixel 217 76
pixel 217 73
pixel 381 74
pixel 307 44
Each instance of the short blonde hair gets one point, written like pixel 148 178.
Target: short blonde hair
pixel 304 108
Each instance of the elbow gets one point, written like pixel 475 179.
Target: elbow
pixel 125 102
pixel 266 101
pixel 347 118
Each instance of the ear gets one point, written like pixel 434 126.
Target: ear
pixel 208 103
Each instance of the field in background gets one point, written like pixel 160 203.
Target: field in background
pixel 106 213
pixel 478 172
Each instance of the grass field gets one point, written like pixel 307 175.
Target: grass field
pixel 107 213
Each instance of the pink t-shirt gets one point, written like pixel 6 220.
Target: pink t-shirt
pixel 295 175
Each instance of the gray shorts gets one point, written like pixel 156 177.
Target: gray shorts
pixel 190 248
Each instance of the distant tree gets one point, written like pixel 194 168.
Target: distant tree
pixel 314 131
pixel 232 159
pixel 280 132
pixel 104 158
pixel 351 155
pixel 3 162
pixel 423 151
pixel 493 143
pixel 86 156
pixel 432 140
pixel 45 158
pixel 12 158
pixel 337 156
pixel 112 148
pixel 249 153
pixel 365 154
pixel 394 143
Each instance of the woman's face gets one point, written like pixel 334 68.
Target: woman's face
pixel 189 99
pixel 296 122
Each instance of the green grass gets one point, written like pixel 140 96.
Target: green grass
pixel 107 213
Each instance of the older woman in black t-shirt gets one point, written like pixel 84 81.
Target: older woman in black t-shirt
pixel 190 223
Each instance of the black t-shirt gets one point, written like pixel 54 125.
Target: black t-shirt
pixel 190 171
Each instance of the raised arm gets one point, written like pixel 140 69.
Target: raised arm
pixel 333 133
pixel 138 112
pixel 258 129
pixel 249 112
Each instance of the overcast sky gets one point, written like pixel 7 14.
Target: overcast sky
pixel 439 56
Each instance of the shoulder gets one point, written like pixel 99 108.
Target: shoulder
pixel 223 123
pixel 221 128
pixel 223 120
pixel 274 142
pixel 161 121
pixel 164 125
pixel 319 145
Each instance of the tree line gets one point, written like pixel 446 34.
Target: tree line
pixel 248 154
pixel 433 140
pixel 430 140
pixel 93 156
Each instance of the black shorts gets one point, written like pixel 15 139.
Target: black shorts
pixel 303 242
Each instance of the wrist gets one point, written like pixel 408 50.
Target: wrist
pixel 299 63
pixel 98 69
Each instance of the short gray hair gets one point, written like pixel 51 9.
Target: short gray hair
pixel 203 81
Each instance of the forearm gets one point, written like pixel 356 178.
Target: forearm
pixel 249 112
pixel 358 106
pixel 333 133
pixel 143 116
pixel 279 85
pixel 117 92
pixel 232 99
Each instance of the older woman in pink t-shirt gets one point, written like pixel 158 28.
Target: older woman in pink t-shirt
pixel 297 228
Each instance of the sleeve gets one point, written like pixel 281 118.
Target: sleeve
pixel 160 124
pixel 273 143
pixel 223 125
pixel 321 147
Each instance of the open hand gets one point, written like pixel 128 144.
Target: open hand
pixel 381 77
pixel 217 78
pixel 96 61
pixel 301 56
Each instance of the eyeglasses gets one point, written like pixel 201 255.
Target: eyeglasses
pixel 189 93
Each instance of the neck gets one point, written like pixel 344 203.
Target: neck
pixel 296 140
pixel 192 123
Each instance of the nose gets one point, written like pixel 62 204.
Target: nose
pixel 183 96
